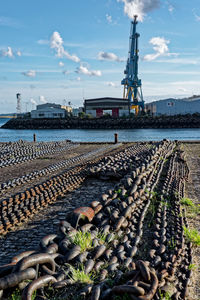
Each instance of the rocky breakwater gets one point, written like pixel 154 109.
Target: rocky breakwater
pixel 127 243
pixel 178 121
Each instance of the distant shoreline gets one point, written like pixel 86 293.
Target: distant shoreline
pixel 140 122
pixel 7 117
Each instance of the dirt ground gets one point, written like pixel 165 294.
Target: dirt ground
pixel 192 152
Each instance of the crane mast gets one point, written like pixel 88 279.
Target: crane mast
pixel 133 85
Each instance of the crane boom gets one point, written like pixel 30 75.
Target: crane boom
pixel 132 84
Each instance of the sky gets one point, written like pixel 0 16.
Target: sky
pixel 66 51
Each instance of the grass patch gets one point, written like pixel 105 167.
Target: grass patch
pixel 101 237
pixel 192 209
pixel 152 208
pixel 192 267
pixel 16 295
pixel 164 296
pixel 192 236
pixel 118 191
pixel 79 275
pixel 172 243
pixel 187 202
pixel 82 239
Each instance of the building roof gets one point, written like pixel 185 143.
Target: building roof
pixel 190 99
pixel 106 98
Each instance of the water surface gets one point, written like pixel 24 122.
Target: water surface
pixel 98 135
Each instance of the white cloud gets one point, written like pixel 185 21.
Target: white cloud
pixel 86 71
pixel 112 84
pixel 18 53
pixel 31 73
pixel 43 42
pixel 78 78
pixel 33 101
pixel 109 18
pixel 139 7
pixel 42 99
pixel 109 56
pixel 8 52
pixel 160 46
pixel 188 83
pixel 61 64
pixel 182 61
pixel 197 16
pixel 171 8
pixel 181 89
pixel 56 43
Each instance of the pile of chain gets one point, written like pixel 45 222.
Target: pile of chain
pixel 116 225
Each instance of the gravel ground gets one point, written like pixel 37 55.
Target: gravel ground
pixel 193 192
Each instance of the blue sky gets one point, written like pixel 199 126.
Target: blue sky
pixel 60 51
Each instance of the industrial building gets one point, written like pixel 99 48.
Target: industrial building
pixel 51 111
pixel 116 107
pixel 172 106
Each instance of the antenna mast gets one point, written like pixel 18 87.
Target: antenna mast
pixel 19 109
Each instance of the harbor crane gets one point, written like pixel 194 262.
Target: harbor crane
pixel 133 85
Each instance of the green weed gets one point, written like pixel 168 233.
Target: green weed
pixel 165 203
pixel 101 237
pixel 172 243
pixel 192 236
pixel 152 207
pixel 79 275
pixel 83 239
pixel 192 267
pixel 118 191
pixel 164 296
pixel 16 295
pixel 192 209
pixel 187 202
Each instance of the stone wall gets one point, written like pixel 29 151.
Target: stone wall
pixel 179 121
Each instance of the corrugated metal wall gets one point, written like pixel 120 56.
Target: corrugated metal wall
pixel 175 107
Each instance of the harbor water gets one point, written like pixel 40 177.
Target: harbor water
pixel 101 135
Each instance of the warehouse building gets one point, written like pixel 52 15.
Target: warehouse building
pixel 116 107
pixel 172 106
pixel 51 111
